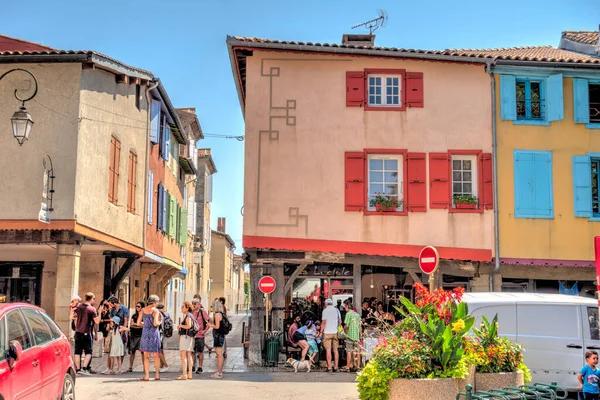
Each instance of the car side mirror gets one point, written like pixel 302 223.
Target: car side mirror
pixel 14 351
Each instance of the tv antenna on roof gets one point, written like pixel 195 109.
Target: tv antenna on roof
pixel 375 23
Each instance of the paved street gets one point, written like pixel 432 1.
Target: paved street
pixel 238 381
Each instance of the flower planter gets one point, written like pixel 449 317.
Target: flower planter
pixel 468 380
pixel 424 389
pixel 498 380
pixel 466 206
pixel 379 208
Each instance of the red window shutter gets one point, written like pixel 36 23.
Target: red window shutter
pixel 487 182
pixel 355 195
pixel 355 89
pixel 439 191
pixel 417 189
pixel 413 91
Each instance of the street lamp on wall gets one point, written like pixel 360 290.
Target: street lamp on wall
pixel 21 120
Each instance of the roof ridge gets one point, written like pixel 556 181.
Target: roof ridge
pixel 505 48
pixel 28 41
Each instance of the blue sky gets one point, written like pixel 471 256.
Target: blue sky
pixel 183 43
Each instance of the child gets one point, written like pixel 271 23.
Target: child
pixel 588 376
pixel 311 334
pixel 117 348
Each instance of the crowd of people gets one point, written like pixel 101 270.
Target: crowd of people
pixel 110 329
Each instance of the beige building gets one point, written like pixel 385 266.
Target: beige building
pixel 88 144
pixel 221 264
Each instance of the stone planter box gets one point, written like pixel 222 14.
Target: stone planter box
pixel 425 389
pixel 469 380
pixel 485 381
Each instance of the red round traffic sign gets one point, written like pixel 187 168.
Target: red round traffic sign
pixel 429 259
pixel 267 284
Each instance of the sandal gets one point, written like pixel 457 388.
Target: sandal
pixel 157 379
pixel 130 370
pixel 182 378
pixel 144 379
pixel 345 369
pixel 216 375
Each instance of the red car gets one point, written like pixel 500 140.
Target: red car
pixel 35 356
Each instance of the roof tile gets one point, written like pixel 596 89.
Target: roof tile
pixel 528 53
pixel 586 37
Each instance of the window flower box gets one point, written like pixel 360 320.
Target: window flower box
pixel 465 201
pixel 466 206
pixel 384 203
pixel 382 208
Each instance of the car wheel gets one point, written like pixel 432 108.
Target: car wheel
pixel 68 390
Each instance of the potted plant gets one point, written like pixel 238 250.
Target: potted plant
pixel 498 361
pixel 465 201
pixel 385 203
pixel 422 357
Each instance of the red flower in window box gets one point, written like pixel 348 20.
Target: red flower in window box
pixel 385 203
pixel 381 208
pixel 465 201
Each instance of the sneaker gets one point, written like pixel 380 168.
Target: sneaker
pixel 199 371
pixel 84 372
pixel 164 369
pixel 106 372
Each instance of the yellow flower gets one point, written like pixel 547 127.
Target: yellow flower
pixel 458 325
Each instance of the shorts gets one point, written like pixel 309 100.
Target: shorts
pixel 313 347
pixel 352 346
pixel 199 345
pixel 83 343
pixel 331 340
pixel 186 343
pixel 218 339
pixel 589 396
pixel 134 344
pixel 298 337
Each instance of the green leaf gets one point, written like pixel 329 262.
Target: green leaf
pixel 445 357
pixel 461 310
pixel 410 306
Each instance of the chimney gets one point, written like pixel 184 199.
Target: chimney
pixel 358 39
pixel 221 224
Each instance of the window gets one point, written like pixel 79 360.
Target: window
pixel 56 332
pixel 17 330
pixel 594 327
pixel 41 331
pixel 586 102
pixel 155 122
pixel 530 99
pixel 385 178
pixel 3 343
pixel 464 175
pixel 384 90
pixel 586 181
pixel 131 182
pixel 534 196
pixel 113 170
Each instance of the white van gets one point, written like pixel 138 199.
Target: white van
pixel 555 330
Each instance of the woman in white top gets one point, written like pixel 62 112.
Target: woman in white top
pixel 186 342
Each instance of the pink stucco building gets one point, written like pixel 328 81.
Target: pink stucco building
pixel 331 127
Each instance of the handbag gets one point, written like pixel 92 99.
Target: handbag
pixel 341 332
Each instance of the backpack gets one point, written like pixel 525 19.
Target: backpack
pixel 167 325
pixel 225 326
pixel 195 328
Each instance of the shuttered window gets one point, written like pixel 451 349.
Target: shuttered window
pixel 384 89
pixel 155 122
pixel 586 180
pixel 417 182
pixel 438 180
pixel 150 195
pixel 113 170
pixel 355 181
pixel 531 100
pixel 131 182
pixel 534 197
pixel 586 102
pixel 160 226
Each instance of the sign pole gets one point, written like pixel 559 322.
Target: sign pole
pixel 432 282
pixel 429 260
pixel 267 314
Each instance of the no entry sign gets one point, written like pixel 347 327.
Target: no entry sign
pixel 429 259
pixel 267 284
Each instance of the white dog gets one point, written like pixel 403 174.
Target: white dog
pixel 299 364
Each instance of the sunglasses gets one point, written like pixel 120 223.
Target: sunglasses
pixel 138 306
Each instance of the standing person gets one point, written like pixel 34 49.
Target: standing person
pixel 85 315
pixel 352 328
pixel 201 318
pixel 165 318
pixel 117 348
pixel 331 320
pixel 588 376
pixel 135 334
pixel 186 342
pixel 119 310
pixel 150 343
pixel 222 301
pixel 218 337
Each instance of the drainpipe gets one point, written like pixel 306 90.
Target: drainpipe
pixel 145 219
pixel 495 178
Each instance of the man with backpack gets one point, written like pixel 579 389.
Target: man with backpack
pixel 201 318
pixel 166 331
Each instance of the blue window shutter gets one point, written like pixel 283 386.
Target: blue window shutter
pixel 524 178
pixel 581 101
pixel 582 186
pixel 150 194
pixel 155 121
pixel 508 97
pixel 167 142
pixel 554 98
pixel 542 187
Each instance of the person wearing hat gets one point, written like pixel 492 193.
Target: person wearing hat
pixel 117 347
pixel 330 321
